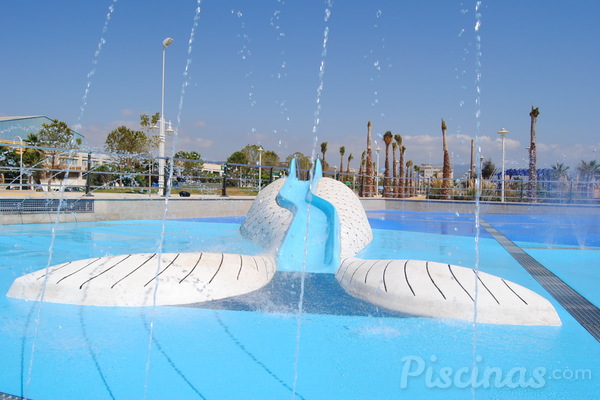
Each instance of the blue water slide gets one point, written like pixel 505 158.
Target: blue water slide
pixel 312 242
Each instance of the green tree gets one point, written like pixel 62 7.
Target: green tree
pixel 33 158
pixel 302 161
pixel 104 175
pixel 149 124
pixel 9 165
pixel 127 145
pixel 127 141
pixel 270 159
pixel 237 173
pixel 188 164
pixel 251 153
pixel 488 170
pixel 58 139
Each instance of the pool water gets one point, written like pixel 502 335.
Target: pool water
pixel 53 351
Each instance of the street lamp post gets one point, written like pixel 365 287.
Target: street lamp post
pixel 377 150
pixel 161 136
pixel 502 133
pixel 20 163
pixel 260 151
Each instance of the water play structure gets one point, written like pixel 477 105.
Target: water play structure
pixel 316 226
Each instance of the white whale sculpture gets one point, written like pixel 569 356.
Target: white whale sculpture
pixel 317 226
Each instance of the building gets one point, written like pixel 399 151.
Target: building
pixel 431 171
pixel 13 128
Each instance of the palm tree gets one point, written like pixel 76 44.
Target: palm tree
pixel 532 193
pixel 342 152
pixel 559 171
pixel 409 165
pixel 397 173
pixel 387 139
pixel 350 158
pixel 401 173
pixel 323 151
pixel 361 169
pixel 588 172
pixel 369 166
pixel 416 184
pixel 394 169
pixel 446 168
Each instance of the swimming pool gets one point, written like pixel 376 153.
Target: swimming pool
pixel 259 349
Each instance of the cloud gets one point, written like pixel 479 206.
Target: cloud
pixel 200 124
pixel 127 112
pixel 203 143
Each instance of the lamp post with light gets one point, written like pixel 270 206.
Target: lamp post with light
pixel 260 151
pixel 502 133
pixel 161 136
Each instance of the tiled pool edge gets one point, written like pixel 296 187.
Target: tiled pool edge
pixel 587 314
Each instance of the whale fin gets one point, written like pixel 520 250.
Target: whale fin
pixel 439 290
pixel 141 280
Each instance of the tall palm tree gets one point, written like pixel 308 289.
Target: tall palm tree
pixel 342 152
pixel 401 173
pixel 394 169
pixel 369 165
pixel 323 151
pixel 409 165
pixel 361 169
pixel 446 168
pixel 398 182
pixel 532 192
pixel 350 158
pixel 417 169
pixel 387 139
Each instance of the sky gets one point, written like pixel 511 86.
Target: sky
pixel 290 74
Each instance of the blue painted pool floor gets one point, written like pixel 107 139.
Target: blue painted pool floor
pixel 104 353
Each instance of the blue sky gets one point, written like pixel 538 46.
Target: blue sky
pixel 253 73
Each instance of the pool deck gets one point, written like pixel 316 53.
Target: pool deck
pixel 131 206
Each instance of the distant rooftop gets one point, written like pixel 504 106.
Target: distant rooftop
pixel 12 127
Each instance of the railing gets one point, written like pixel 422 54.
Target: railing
pixel 139 174
pixel 43 206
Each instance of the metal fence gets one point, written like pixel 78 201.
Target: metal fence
pixel 43 206
pixel 90 172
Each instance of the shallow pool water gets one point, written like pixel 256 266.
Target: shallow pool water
pixel 53 351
